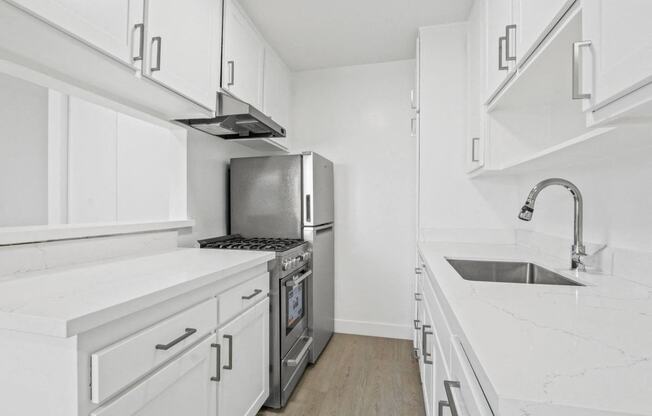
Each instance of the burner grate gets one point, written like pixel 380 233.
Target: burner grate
pixel 237 242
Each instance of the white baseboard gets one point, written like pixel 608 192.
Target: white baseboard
pixel 373 329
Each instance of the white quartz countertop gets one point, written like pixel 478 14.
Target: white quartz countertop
pixel 551 350
pixel 68 301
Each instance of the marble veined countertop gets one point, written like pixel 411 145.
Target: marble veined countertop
pixel 67 301
pixel 551 350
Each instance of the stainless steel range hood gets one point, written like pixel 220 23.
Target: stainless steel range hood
pixel 235 119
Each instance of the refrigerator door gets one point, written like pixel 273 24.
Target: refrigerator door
pixel 317 190
pixel 266 196
pixel 321 299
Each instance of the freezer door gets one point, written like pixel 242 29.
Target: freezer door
pixel 266 196
pixel 317 190
pixel 321 301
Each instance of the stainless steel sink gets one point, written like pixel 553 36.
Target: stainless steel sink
pixel 508 272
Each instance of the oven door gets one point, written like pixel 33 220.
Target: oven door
pixel 294 307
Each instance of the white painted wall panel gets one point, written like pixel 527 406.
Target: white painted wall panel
pixel 23 153
pixel 92 190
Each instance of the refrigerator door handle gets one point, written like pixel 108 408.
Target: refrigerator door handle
pixel 308 209
pixel 322 227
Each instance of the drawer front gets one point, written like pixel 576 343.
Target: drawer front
pixel 124 362
pixel 241 297
pixel 465 389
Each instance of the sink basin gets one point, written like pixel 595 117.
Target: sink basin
pixel 508 272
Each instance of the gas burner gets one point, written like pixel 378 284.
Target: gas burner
pixel 237 242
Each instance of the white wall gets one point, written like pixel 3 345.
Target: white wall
pixel 23 153
pixel 208 205
pixel 359 117
pixel 453 206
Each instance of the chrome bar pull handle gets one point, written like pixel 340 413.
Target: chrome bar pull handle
pixel 475 141
pixel 253 295
pixel 416 324
pixel 577 67
pixel 298 279
pixel 448 385
pixel 302 354
pixel 140 28
pixel 231 65
pixel 164 347
pixel 501 66
pixel 158 41
pixel 427 357
pixel 218 360
pixel 229 366
pixel 508 45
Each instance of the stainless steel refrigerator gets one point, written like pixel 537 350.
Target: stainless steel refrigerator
pixel 292 197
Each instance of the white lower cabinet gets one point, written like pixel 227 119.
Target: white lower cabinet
pixel 450 386
pixel 243 384
pixel 185 386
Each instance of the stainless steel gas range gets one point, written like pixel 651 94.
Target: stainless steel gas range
pixel 290 282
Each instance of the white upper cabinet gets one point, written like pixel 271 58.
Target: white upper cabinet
pixel 114 27
pixel 620 58
pixel 475 80
pixel 277 91
pixel 501 44
pixel 243 56
pixel 535 20
pixel 183 47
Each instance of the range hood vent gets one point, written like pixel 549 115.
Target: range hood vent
pixel 236 119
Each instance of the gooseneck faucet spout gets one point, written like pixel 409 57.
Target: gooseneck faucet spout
pixel 578 249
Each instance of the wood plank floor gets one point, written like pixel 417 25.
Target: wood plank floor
pixel 359 376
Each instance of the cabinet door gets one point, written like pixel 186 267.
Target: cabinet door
pixel 535 19
pixel 243 56
pixel 185 386
pixel 114 27
pixel 244 346
pixel 475 64
pixel 428 351
pixel 499 39
pixel 277 91
pixel 183 47
pixel 621 36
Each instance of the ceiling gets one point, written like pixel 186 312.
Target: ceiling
pixel 311 34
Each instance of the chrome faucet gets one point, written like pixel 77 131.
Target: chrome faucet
pixel 578 249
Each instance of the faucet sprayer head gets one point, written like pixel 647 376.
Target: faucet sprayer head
pixel 526 213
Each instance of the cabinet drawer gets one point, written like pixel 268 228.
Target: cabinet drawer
pixel 124 362
pixel 239 298
pixel 468 396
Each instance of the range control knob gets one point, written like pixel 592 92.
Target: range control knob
pixel 285 265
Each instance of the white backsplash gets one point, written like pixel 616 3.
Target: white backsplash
pixel 17 260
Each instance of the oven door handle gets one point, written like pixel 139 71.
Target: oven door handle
pixel 295 281
pixel 296 361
